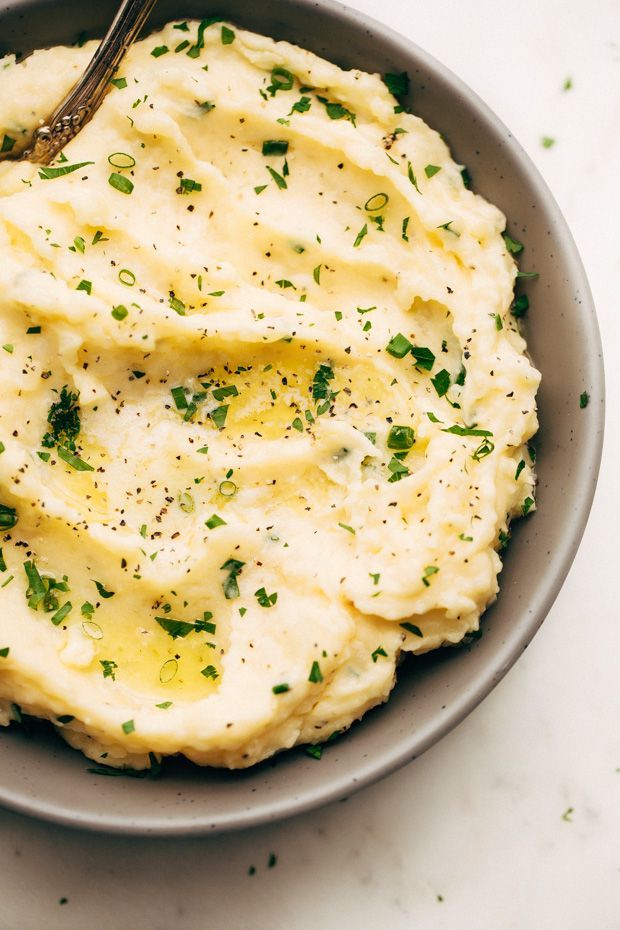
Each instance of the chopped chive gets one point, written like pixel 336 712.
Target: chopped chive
pixel 275 147
pixel 73 460
pixel 399 346
pixel 121 160
pixel 128 727
pixel 159 51
pixel 119 313
pixel 177 305
pixel 228 36
pixel 401 437
pixel 61 613
pixel 213 521
pixel 361 234
pixel 119 183
pixel 376 203
pixel 281 689
pixel 188 186
pixel 315 676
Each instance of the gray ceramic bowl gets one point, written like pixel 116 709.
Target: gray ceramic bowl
pixel 40 776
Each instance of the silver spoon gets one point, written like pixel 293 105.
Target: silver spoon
pixel 85 98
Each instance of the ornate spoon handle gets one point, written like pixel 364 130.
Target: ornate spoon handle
pixel 83 101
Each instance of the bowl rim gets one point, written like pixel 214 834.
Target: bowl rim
pixel 409 747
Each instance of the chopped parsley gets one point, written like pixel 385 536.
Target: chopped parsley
pixel 227 35
pixel 412 628
pixel 520 306
pixel 264 599
pixel 512 245
pixel 527 505
pixel 64 421
pixel 428 572
pixel 4 652
pixel 48 174
pixel 431 170
pixel 280 181
pixel 230 585
pixel 584 400
pixel 337 110
pixel 397 84
pixel 7 144
pixel 379 651
pixel 412 177
pixel 214 521
pixel 424 357
pixel 210 672
pixel 302 105
pixel 102 591
pixel 315 676
pixel 218 416
pixel 520 468
pixel 109 668
pixel 397 470
pixel 128 727
pixel 441 382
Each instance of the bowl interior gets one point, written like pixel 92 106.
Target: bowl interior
pixel 39 775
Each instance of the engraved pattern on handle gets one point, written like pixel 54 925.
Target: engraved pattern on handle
pixel 84 99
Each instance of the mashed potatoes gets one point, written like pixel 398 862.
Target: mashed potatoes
pixel 263 404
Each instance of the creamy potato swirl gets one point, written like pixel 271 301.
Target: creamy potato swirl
pixel 264 406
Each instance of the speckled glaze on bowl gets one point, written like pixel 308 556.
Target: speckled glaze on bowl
pixel 42 777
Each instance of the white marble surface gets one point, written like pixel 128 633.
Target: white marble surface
pixel 471 836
